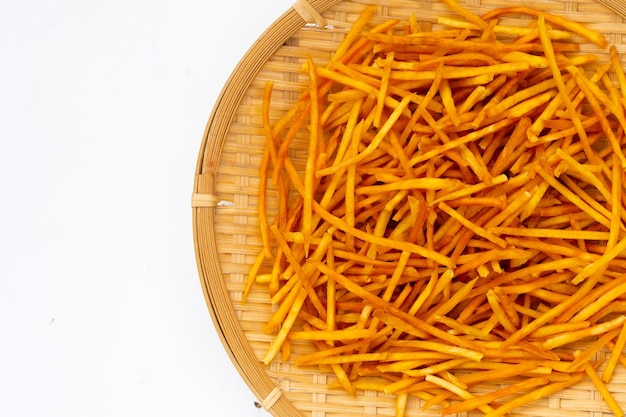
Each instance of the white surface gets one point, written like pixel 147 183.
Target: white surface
pixel 102 109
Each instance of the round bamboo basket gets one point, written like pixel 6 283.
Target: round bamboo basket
pixel 224 201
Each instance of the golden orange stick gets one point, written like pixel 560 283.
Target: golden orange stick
pixel 461 328
pixel 328 335
pixel 401 404
pixel 283 310
pixel 604 391
pixel 535 395
pixel 373 145
pixel 622 357
pixel 585 356
pixel 552 313
pixel 470 137
pixel 285 328
pixel 437 368
pixel 504 29
pixel 352 35
pixel 468 15
pixel 252 275
pixel 288 139
pixel 300 272
pixel 466 395
pixel 553 329
pixel 377 302
pixel 584 173
pixel 452 73
pixel 327 351
pixel 471 226
pixel 268 154
pixel 549 233
pixel 583 83
pixel 617 288
pixel 521 96
pixel 578 190
pixel 473 403
pixel 601 263
pixel 619 70
pixel 448 101
pixel 556 73
pixel 593 36
pixel 562 339
pixel 457 297
pixel 610 101
pixel 616 353
pixel 381 241
pixel 571 196
pixel 314 139
pixel 331 293
pixel 384 86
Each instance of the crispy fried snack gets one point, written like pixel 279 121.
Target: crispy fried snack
pixel 460 215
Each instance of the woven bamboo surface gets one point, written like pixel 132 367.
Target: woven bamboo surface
pixel 225 219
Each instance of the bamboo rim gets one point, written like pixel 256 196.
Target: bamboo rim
pixel 205 201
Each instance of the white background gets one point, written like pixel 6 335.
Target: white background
pixel 103 104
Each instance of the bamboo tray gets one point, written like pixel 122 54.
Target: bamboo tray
pixel 224 201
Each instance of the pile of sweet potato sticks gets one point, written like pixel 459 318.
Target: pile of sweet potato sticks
pixel 459 217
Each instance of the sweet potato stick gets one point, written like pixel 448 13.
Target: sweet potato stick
pixel 551 314
pixel 503 29
pixel 584 173
pixel 565 338
pixel 619 71
pixel 252 275
pixel 268 155
pixel 577 28
pixel 300 272
pixel 430 346
pixel 470 137
pixel 314 139
pixel 473 403
pixel 410 184
pixel 616 204
pixel 453 301
pixel 401 404
pixel 583 83
pixel 379 303
pixel 357 233
pixel 384 86
pixel 556 73
pixel 457 390
pixel 469 16
pixel 549 233
pixel 283 310
pixel 601 263
pixel 285 328
pixel 356 28
pixel 438 368
pixel 471 226
pixel 535 395
pixel 604 391
pixel 453 73
pixel 572 196
pixel 461 328
pixel 345 334
pixel 616 352
pixel 583 357
pixel 375 142
pixel 521 96
pixel 605 299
